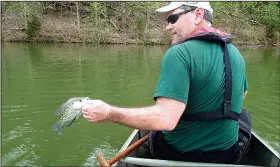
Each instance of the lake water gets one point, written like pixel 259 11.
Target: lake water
pixel 38 78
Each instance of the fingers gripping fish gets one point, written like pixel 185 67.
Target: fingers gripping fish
pixel 69 112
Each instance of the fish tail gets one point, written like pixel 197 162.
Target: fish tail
pixel 58 127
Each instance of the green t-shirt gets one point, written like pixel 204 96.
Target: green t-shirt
pixel 193 73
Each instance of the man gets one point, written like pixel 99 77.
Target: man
pixel 194 78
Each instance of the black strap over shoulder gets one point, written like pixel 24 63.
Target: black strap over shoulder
pixel 225 112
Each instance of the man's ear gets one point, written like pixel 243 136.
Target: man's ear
pixel 199 13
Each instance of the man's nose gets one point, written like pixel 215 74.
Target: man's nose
pixel 169 26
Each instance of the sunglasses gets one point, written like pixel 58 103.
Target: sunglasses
pixel 174 17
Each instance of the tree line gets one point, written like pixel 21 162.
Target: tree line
pixel 137 17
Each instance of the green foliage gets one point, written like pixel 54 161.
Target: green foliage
pixel 137 17
pixel 26 9
pixel 270 15
pixel 266 14
pixel 30 12
pixel 33 27
pixel 98 13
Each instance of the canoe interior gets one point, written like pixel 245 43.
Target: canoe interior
pixel 259 154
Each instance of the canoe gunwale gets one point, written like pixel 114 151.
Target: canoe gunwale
pixel 134 161
pixel 266 144
pixel 147 162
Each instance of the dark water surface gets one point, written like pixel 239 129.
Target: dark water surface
pixel 36 79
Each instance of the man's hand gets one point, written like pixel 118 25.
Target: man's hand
pixel 96 111
pixel 245 93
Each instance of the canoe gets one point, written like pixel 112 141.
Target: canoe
pixel 260 154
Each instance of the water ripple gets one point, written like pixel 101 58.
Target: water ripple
pixel 13 108
pixel 24 150
pixel 11 135
pixel 17 132
pixel 104 148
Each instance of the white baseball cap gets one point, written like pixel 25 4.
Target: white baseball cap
pixel 162 12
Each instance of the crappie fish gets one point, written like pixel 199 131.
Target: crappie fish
pixel 69 112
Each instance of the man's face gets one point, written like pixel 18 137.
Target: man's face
pixel 185 24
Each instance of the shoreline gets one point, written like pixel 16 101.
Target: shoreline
pixel 128 43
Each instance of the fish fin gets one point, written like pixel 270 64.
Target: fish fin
pixel 58 112
pixel 61 109
pixel 58 127
pixel 68 123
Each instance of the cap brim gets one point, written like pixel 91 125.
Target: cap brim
pixel 163 12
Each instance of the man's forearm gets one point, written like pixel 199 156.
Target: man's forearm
pixel 146 118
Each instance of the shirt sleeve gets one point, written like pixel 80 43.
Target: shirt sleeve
pixel 174 79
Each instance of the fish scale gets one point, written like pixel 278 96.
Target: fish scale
pixel 69 112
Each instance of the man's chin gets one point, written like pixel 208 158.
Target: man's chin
pixel 175 42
